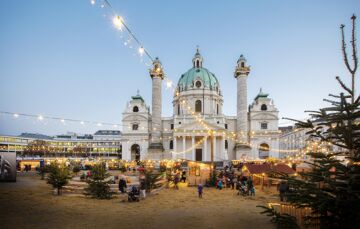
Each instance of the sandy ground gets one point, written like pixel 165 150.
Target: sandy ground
pixel 29 203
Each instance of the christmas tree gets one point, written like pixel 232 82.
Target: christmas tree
pixel 332 188
pixel 99 185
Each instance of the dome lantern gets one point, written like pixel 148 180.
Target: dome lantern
pixel 197 60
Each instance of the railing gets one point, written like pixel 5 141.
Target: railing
pixel 300 214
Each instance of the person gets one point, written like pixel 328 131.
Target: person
pixel 200 190
pixel 233 182
pixel 183 176
pixel 220 185
pixel 143 188
pixel 250 186
pixel 122 185
pixel 283 188
pixel 176 181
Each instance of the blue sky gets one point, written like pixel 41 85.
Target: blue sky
pixel 65 59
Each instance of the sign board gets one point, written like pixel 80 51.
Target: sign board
pixel 7 166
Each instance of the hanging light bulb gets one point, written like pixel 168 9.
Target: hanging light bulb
pixel 141 51
pixel 117 21
pixel 169 84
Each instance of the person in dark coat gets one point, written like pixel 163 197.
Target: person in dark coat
pixel 122 185
pixel 283 188
pixel 143 188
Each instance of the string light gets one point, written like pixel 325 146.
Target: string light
pixel 118 22
pixel 141 51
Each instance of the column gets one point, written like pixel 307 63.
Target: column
pixel 184 148
pixel 193 148
pixel 175 149
pixel 157 75
pixel 204 153
pixel 216 155
pixel 222 150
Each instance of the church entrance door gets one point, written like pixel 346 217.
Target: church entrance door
pixel 198 154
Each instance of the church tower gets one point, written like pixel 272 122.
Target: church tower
pixel 157 75
pixel 241 73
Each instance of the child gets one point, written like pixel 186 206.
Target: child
pixel 200 190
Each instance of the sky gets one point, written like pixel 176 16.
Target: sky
pixel 65 58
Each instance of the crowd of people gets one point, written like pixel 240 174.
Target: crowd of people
pixel 228 179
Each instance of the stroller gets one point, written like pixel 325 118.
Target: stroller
pixel 242 188
pixel 134 195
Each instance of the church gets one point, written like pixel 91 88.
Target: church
pixel 198 129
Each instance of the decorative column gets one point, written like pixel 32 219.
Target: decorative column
pixel 215 150
pixel 175 148
pixel 204 158
pixel 157 75
pixel 241 73
pixel 193 148
pixel 184 148
pixel 222 150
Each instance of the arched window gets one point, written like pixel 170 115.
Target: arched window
pixel 226 144
pixel 178 109
pixel 197 63
pixel 264 151
pixel 263 107
pixel 217 109
pixel 135 109
pixel 135 152
pixel 242 64
pixel 171 144
pixel 198 106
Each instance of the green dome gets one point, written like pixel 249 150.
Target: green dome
pixel 207 79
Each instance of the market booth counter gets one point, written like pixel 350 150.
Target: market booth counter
pixel 197 172
pixel 259 172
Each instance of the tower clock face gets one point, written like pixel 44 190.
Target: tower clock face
pixel 198 84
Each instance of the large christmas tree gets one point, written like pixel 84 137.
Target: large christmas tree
pixel 332 188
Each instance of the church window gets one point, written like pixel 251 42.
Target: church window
pixel 226 144
pixel 171 144
pixel 263 107
pixel 135 126
pixel 136 109
pixel 198 106
pixel 217 109
pixel 264 126
pixel 198 84
pixel 197 63
pixel 242 64
pixel 226 126
pixel 178 109
pixel 171 126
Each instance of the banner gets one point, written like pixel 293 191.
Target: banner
pixel 7 166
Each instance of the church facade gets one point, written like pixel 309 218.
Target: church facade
pixel 198 129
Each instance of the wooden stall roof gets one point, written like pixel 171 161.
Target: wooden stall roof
pixel 265 168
